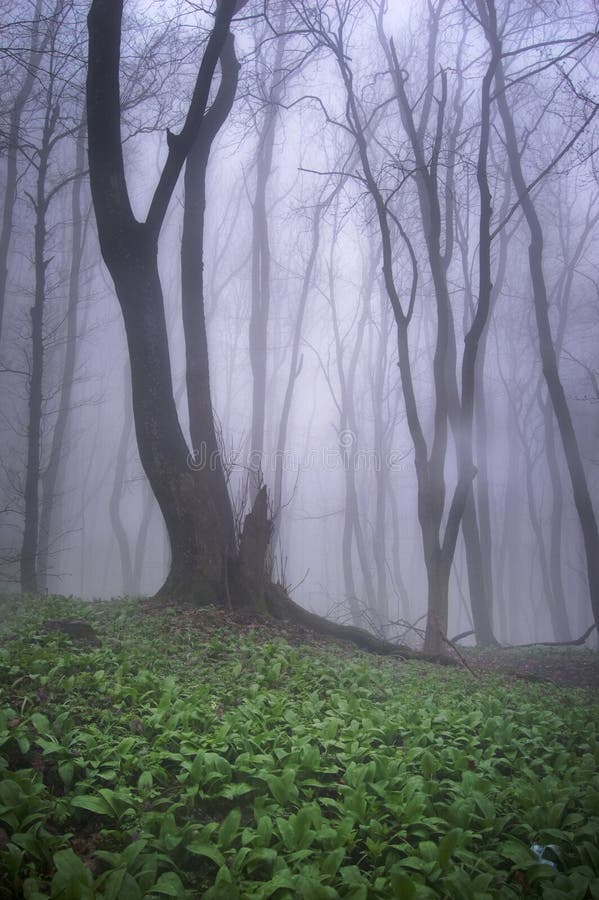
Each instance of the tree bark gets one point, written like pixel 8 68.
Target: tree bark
pixel 261 265
pixel 210 477
pixel 130 250
pixel 561 629
pixel 116 493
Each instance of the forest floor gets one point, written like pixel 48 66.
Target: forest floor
pixel 561 666
pixel 168 751
pixel 570 667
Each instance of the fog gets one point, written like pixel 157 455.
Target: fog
pixel 345 206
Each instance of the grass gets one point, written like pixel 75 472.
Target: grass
pixel 177 760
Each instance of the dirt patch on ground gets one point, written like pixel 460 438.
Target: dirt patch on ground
pixel 572 667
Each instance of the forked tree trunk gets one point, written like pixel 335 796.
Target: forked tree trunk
pixel 196 554
pixel 130 250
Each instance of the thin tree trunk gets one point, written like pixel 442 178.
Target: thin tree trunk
pixel 448 404
pixel 401 591
pixel 295 363
pixel 560 615
pixel 578 479
pixel 261 264
pixel 509 546
pixel 477 582
pixel 50 476
pixel 116 494
pixel 348 438
pixel 142 538
pixel 12 152
pixel 30 546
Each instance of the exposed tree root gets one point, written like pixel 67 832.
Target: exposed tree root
pixel 245 588
pixel 577 642
pixel 462 635
pixel 281 606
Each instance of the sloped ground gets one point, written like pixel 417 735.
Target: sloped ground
pixel 188 753
pixel 563 667
pixel 571 667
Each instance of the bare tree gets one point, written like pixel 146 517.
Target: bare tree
pixel 54 129
pixel 14 141
pixel 588 523
pixel 439 540
pixel 261 258
pixel 79 218
pixel 129 248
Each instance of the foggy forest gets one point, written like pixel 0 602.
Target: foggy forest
pixel 299 317
pixel 386 248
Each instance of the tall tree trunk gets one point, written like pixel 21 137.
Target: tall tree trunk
pixel 50 476
pixel 196 563
pixel 477 580
pixel 449 406
pixel 12 151
pixel 560 615
pixel 261 264
pixel 348 440
pixel 116 494
pixel 295 363
pixel 578 479
pixel 509 550
pixel 381 468
pixel 130 250
pixel 399 585
pixel 209 473
pixel 139 552
pixel 30 546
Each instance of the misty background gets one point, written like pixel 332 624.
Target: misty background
pixel 302 337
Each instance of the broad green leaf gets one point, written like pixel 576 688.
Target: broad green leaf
pixel 282 787
pixel 517 853
pixel 207 850
pixel 40 723
pixel 332 861
pixel 145 782
pixel 402 885
pixel 229 828
pixel 169 885
pixel 264 829
pixel 111 883
pixel 92 804
pixel 66 771
pixel 72 880
pixel 447 845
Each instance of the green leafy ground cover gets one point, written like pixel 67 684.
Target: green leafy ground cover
pixel 212 762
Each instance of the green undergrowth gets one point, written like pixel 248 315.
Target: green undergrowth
pixel 219 762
